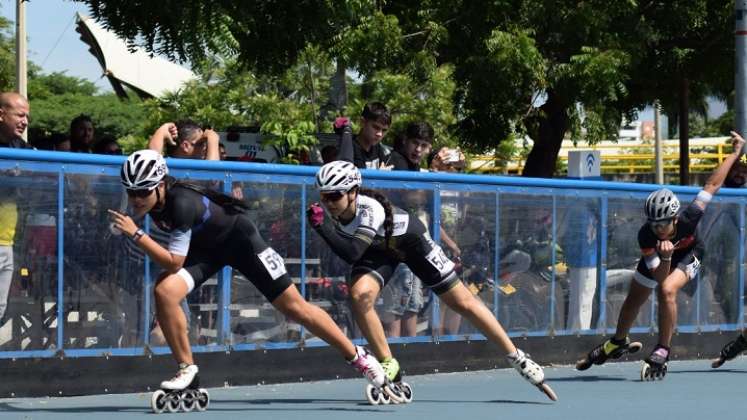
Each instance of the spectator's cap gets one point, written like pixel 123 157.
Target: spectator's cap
pixel 662 204
pixel 143 170
pixel 339 175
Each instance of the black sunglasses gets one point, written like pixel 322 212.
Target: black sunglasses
pixel 332 196
pixel 138 193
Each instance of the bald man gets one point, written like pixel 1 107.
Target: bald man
pixel 14 118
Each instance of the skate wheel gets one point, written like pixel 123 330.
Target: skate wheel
pixel 645 372
pixel 634 347
pixel 583 364
pixel 548 391
pixel 373 395
pixel 406 392
pixel 173 402
pixel 189 400
pixel 717 363
pixel 158 401
pixel 385 399
pixel 202 399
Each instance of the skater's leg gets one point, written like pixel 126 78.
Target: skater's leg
pixel 667 295
pixel 169 292
pixel 637 296
pixel 293 306
pixel 463 302
pixel 363 293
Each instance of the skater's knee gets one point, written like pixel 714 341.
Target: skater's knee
pixel 364 297
pixel 668 293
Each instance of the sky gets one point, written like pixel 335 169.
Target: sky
pixel 52 41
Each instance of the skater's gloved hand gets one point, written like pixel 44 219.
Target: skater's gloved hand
pixel 340 124
pixel 665 249
pixel 315 215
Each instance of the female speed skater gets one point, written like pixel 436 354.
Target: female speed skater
pixel 670 252
pixel 368 232
pixel 209 230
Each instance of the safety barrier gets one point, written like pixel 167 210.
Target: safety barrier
pixel 536 251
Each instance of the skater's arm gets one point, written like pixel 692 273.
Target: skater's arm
pixel 172 259
pixel 716 180
pixel 349 249
pixel 167 260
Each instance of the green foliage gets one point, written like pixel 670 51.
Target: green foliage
pixel 43 86
pixel 7 56
pixel 483 69
pixel 110 115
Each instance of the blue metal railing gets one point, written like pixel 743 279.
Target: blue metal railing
pixel 512 215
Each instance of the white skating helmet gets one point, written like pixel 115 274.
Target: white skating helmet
pixel 143 170
pixel 661 205
pixel 339 175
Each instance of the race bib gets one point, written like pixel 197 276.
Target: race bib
pixel 273 263
pixel 440 261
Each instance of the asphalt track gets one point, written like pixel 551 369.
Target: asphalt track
pixel 691 390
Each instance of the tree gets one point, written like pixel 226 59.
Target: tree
pixel 549 68
pixel 57 98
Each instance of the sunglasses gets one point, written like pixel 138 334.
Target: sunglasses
pixel 139 193
pixel 660 223
pixel 332 196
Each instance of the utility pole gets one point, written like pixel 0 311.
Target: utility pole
pixel 740 75
pixel 21 71
pixel 657 144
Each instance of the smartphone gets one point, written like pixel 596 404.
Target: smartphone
pixel 452 156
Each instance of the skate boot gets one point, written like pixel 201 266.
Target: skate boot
pixel 655 365
pixel 731 350
pixel 181 393
pixel 531 371
pixel 380 389
pixel 394 373
pixel 610 349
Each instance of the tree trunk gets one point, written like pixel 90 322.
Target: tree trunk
pixel 553 124
pixel 684 99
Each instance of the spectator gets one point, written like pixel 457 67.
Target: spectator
pixel 222 151
pixel 107 146
pixel 329 154
pixel 403 298
pixel 185 139
pixel 411 147
pixel 580 248
pixel 60 142
pixel 81 134
pixel 365 150
pixel 14 118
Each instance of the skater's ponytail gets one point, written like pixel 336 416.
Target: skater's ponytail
pixel 388 213
pixel 230 204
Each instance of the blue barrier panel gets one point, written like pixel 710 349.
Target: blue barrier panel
pixel 548 257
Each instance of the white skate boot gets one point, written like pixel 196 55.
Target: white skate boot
pixel 367 364
pixel 531 371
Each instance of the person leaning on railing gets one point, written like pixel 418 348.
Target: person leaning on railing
pixel 14 118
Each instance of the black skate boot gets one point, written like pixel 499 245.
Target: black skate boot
pixel 731 350
pixel 610 349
